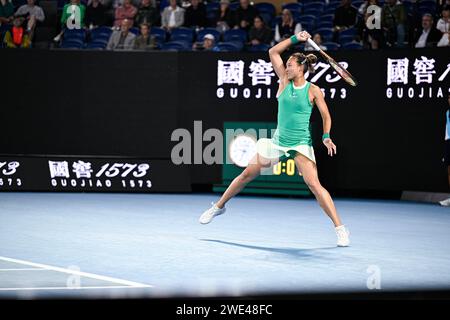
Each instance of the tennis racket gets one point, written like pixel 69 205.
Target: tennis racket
pixel 347 76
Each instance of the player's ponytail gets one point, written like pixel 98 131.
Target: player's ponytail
pixel 312 59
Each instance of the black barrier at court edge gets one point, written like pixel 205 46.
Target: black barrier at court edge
pixel 389 130
pixel 65 173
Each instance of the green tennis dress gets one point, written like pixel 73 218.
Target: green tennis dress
pixel 293 132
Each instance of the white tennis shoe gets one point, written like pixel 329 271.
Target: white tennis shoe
pixel 209 214
pixel 445 203
pixel 342 236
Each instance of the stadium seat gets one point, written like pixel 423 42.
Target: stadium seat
pixel 259 48
pixel 186 34
pixel 235 35
pixel 176 46
pixel 353 46
pixel 265 7
pixel 293 7
pixel 159 33
pixel 331 45
pixel 326 33
pixel 231 46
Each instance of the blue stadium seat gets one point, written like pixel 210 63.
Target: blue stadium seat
pixel 326 33
pixel 205 31
pixel 343 39
pixel 296 15
pixel 326 17
pixel 329 10
pixel 265 7
pixel 308 17
pixel 186 34
pixel 229 46
pixel 235 35
pixel 74 43
pixel 163 4
pixel 313 7
pixel 70 34
pixel 267 17
pixel 259 48
pixel 332 46
pixel 159 33
pixel 176 46
pixel 324 24
pixel 313 12
pixel 347 32
pixel 308 22
pixel 295 6
pixel 101 32
pixel 353 46
pixel 97 45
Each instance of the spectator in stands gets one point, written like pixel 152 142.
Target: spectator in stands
pixel 123 38
pixel 245 14
pixel 17 37
pixel 286 27
pixel 6 12
pixel 393 20
pixel 226 18
pixel 117 3
pixel 317 38
pixel 373 38
pixel 345 16
pixel 195 15
pixel 33 14
pixel 443 5
pixel 172 16
pixel 443 26
pixel 95 14
pixel 66 13
pixel 428 36
pixel 125 11
pixel 208 44
pixel 259 33
pixel 147 14
pixel 145 41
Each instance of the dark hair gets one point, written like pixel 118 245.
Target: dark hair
pixel 306 60
pixel 260 18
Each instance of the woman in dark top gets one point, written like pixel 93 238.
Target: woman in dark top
pixel 225 19
pixel 286 27
pixel 259 33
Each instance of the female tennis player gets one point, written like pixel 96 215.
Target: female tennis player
pixel 296 99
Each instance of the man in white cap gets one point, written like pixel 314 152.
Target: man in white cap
pixel 207 45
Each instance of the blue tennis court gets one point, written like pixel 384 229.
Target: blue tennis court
pixel 151 245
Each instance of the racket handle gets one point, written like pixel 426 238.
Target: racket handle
pixel 314 45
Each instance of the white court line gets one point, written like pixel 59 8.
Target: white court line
pixel 69 288
pixel 21 269
pixel 79 273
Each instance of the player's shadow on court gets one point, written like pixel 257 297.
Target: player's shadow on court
pixel 315 253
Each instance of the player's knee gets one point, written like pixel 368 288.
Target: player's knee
pixel 247 175
pixel 313 184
